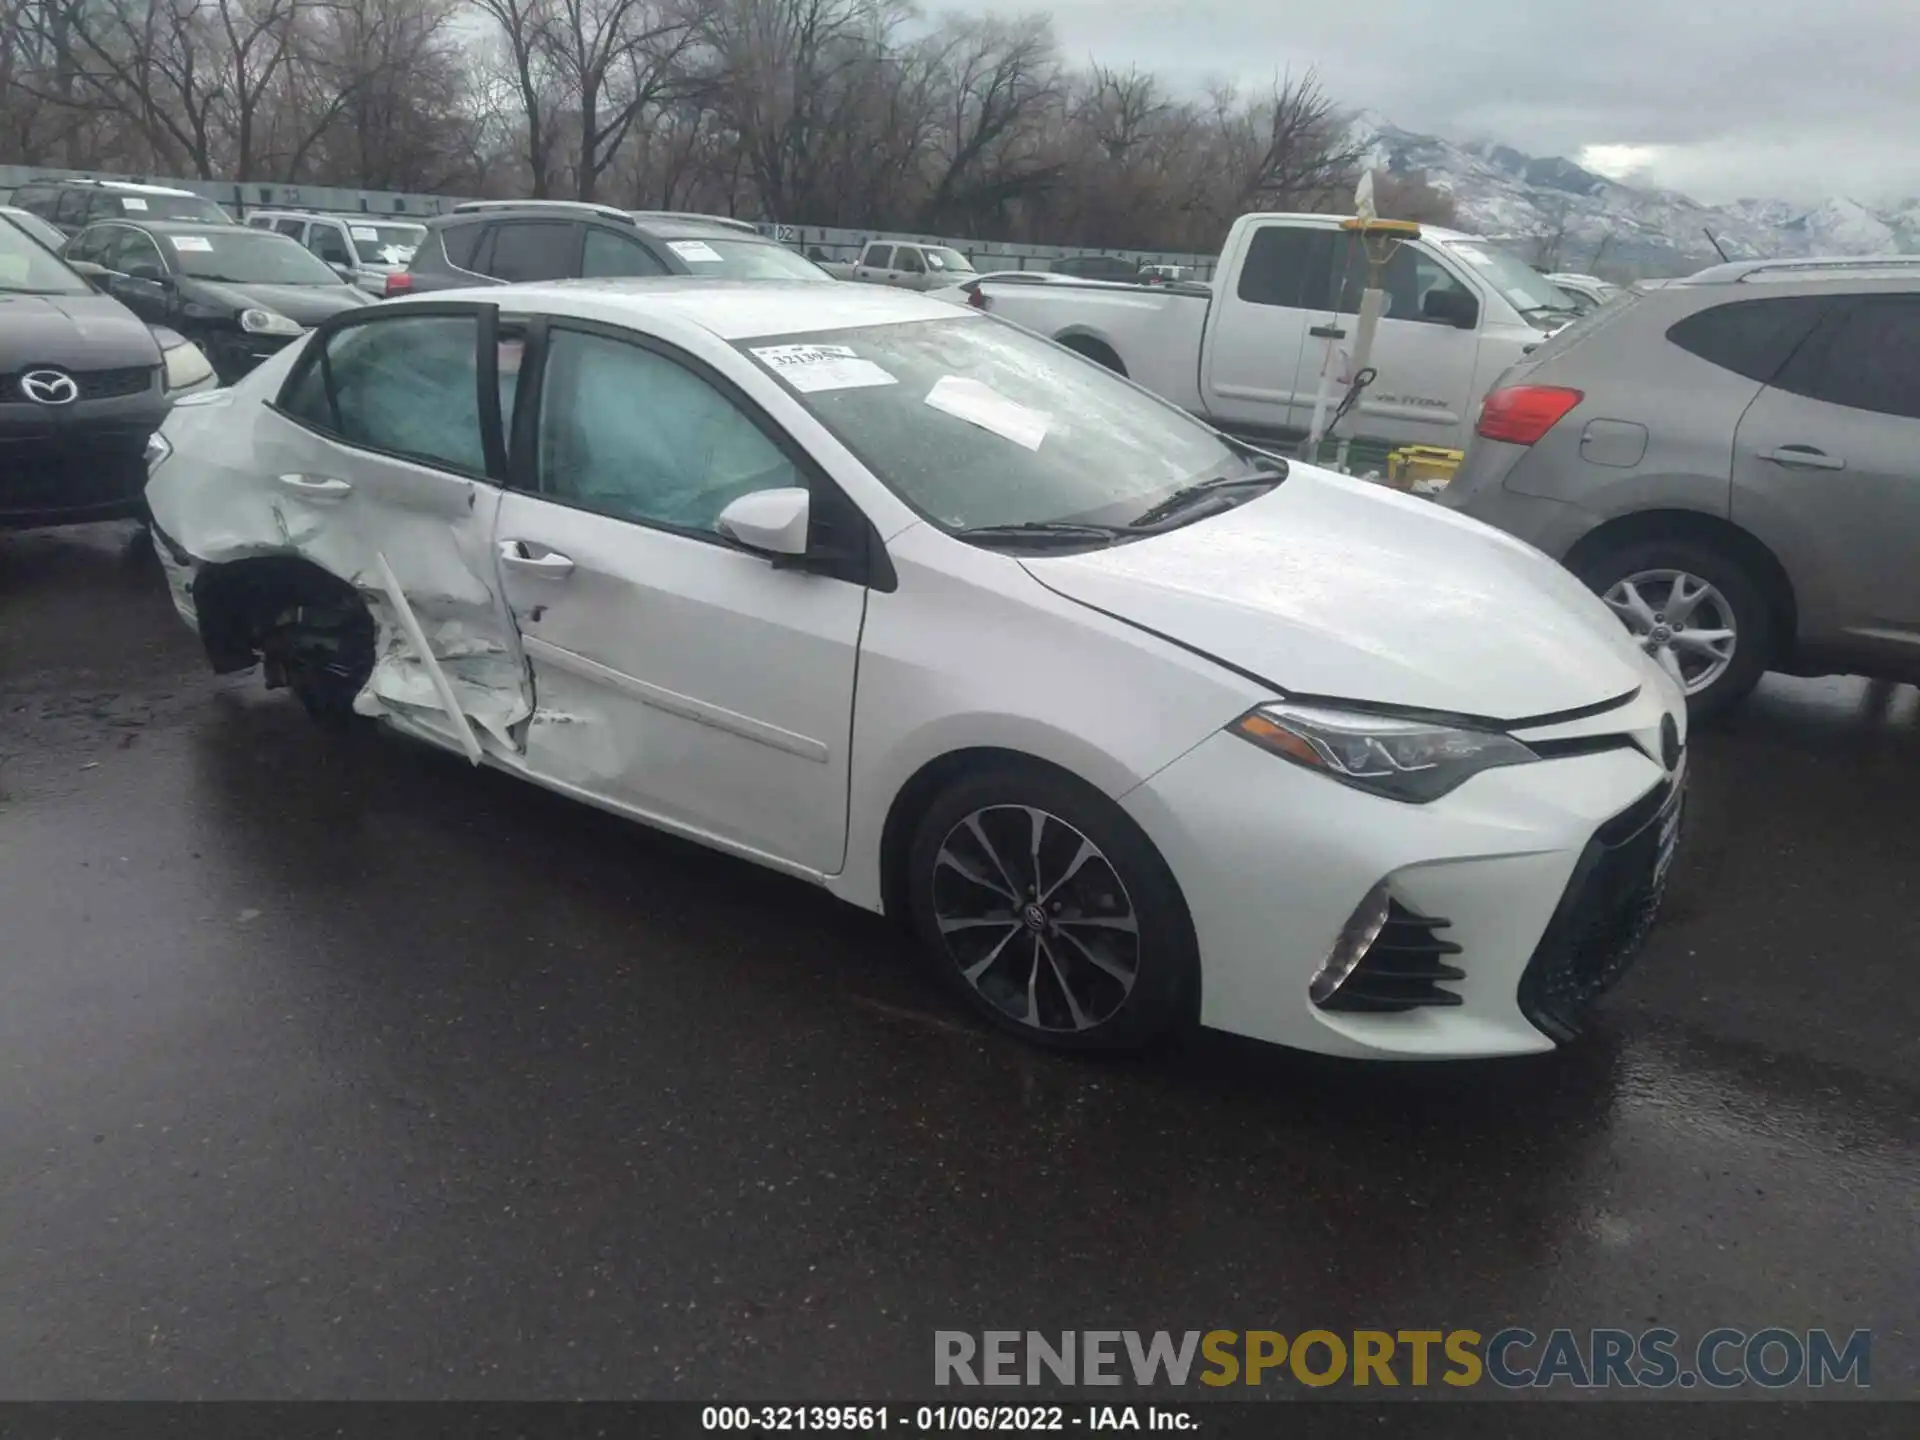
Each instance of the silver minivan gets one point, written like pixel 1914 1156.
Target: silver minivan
pixel 1732 461
pixel 361 249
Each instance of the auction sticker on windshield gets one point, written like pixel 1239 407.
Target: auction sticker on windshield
pixel 697 251
pixel 982 405
pixel 132 202
pixel 809 368
pixel 198 244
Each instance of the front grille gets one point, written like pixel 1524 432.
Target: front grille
pixel 1605 915
pixel 1403 968
pixel 92 384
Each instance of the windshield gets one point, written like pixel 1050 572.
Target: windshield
pixel 947 261
pixel 974 422
pixel 28 268
pixel 247 257
pixel 172 207
pixel 745 259
pixel 386 244
pixel 1526 289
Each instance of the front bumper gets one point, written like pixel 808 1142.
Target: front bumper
pixel 81 463
pixel 1273 860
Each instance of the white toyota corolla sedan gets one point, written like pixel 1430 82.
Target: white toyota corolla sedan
pixel 1134 724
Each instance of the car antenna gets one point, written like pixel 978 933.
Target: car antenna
pixel 1715 243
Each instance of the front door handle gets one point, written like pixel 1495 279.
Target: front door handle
pixel 1803 457
pixel 550 563
pixel 316 487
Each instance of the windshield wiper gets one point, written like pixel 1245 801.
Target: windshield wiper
pixel 1188 494
pixel 1045 532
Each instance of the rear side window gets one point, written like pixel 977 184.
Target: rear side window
pixel 459 243
pixel 1749 337
pixel 608 254
pixel 290 228
pixel 534 250
pixel 879 255
pixel 408 386
pixel 1290 266
pixel 35 199
pixel 70 207
pixel 1869 359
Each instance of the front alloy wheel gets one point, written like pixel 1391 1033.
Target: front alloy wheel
pixel 1035 918
pixel 1047 908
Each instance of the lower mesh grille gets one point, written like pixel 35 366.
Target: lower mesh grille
pixel 1403 968
pixel 1604 917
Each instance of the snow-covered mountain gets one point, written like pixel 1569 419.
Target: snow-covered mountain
pixel 1555 212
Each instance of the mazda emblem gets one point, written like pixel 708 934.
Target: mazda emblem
pixel 49 387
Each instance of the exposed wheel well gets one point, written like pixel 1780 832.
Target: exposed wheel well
pixel 1097 351
pixel 1709 530
pixel 310 627
pixel 896 836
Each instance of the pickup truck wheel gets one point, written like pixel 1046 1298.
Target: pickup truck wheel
pixel 1695 610
pixel 1095 351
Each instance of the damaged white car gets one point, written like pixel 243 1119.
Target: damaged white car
pixel 1136 725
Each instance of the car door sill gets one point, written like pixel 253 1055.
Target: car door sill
pixel 507 763
pixel 685 706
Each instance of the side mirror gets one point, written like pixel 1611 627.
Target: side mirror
pixel 341 268
pixel 771 521
pixel 1451 307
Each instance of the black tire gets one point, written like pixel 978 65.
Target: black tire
pixel 1086 923
pixel 1752 616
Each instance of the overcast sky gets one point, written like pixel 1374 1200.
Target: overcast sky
pixel 1799 99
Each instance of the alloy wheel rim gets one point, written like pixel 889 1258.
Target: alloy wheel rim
pixel 1035 918
pixel 1684 622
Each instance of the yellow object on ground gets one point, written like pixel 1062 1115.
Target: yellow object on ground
pixel 1411 463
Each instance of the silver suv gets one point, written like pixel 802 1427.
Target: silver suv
pixel 1732 462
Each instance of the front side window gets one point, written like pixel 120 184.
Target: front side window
pixel 609 255
pixel 974 422
pixel 1870 360
pixel 241 256
pixel 329 244
pixel 533 250
pixel 27 268
pixel 909 260
pixel 130 251
pixel 408 385
pixel 627 432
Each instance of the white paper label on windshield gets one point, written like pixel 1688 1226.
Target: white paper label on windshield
pixel 198 244
pixel 821 367
pixel 696 250
pixel 364 232
pixel 986 407
pixel 132 202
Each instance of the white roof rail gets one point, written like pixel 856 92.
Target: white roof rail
pixel 729 221
pixel 468 207
pixel 1857 267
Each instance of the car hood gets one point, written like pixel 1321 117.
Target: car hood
pixel 1342 588
pixel 304 304
pixel 74 332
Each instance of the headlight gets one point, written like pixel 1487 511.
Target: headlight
pixel 267 322
pixel 186 365
pixel 1402 759
pixel 157 450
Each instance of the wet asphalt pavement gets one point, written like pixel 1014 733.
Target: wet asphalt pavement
pixel 330 1067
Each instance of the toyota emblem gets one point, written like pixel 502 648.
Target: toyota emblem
pixel 49 387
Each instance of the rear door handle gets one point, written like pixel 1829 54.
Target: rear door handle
pixel 316 487
pixel 1803 457
pixel 550 563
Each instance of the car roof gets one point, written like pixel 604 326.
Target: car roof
pixel 660 225
pixel 175 227
pixel 728 309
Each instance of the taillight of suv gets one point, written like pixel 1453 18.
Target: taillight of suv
pixel 1521 414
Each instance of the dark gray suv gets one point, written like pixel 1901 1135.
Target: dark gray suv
pixel 503 242
pixel 1732 462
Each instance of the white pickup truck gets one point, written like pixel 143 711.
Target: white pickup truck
pixel 1246 352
